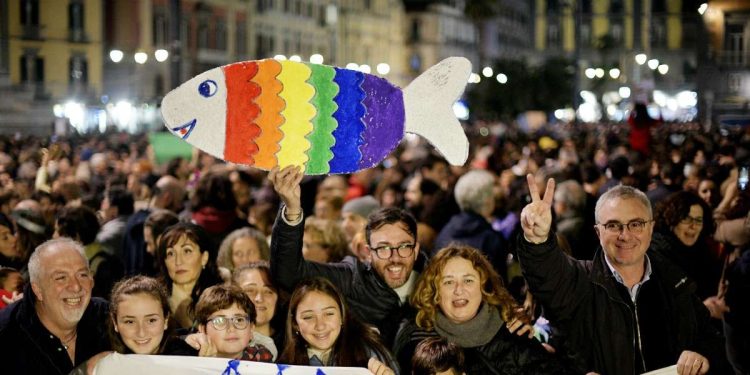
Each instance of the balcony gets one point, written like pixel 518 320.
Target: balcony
pixel 32 32
pixel 734 59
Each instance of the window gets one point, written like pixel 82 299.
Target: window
pixel 241 47
pixel 221 35
pixel 78 70
pixel 32 68
pixel 203 34
pixel 658 32
pixel 29 12
pixel 414 34
pixel 553 34
pixel 75 21
pixel 734 44
pixel 160 30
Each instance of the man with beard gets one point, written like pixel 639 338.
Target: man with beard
pixel 57 325
pixel 376 291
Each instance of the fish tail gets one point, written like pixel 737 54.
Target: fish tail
pixel 428 105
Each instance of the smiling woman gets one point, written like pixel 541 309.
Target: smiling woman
pixel 461 298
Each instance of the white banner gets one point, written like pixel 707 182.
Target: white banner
pixel 136 364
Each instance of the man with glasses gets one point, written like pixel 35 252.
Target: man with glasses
pixel 376 291
pixel 625 311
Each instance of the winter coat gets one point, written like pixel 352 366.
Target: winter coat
pixel 601 322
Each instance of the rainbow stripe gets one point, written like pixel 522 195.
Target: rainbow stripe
pixel 324 119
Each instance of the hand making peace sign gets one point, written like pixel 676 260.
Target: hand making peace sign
pixel 536 217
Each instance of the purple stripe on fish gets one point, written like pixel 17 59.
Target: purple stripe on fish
pixel 384 120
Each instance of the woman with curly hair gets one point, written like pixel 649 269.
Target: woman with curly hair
pixel 684 226
pixel 242 247
pixel 460 297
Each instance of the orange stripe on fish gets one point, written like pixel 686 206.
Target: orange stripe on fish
pixel 242 131
pixel 270 118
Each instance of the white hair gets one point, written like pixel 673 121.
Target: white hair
pixel 35 266
pixel 473 189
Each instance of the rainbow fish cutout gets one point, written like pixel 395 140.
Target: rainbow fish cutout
pixel 270 113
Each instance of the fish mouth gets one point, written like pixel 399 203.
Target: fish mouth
pixel 184 130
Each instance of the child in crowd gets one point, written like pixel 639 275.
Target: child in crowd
pixel 436 356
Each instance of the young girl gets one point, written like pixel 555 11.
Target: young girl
pixel 320 332
pixel 139 316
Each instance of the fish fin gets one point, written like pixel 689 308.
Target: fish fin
pixel 428 105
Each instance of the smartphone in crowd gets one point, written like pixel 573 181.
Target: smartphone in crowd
pixel 744 178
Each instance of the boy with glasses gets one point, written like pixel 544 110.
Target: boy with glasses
pixel 226 319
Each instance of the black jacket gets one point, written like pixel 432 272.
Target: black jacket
pixel 27 347
pixel 506 353
pixel 600 322
pixel 469 228
pixel 368 296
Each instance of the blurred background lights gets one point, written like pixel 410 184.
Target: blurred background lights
pixel 316 58
pixel 383 68
pixel 161 55
pixel 140 57
pixel 116 55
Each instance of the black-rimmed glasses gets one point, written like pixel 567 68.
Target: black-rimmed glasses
pixel 386 251
pixel 634 226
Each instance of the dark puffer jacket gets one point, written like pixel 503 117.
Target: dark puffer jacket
pixel 585 300
pixel 368 296
pixel 505 354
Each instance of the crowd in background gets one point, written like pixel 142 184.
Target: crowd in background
pixel 194 239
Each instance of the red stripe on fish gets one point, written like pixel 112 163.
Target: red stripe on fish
pixel 242 111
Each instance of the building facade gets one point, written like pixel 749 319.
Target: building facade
pixel 606 36
pixel 51 52
pixel 724 74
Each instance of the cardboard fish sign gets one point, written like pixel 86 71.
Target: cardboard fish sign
pixel 271 113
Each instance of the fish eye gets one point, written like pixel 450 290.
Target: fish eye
pixel 208 88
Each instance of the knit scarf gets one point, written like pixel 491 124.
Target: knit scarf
pixel 476 332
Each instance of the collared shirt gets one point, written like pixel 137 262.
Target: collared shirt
pixel 634 290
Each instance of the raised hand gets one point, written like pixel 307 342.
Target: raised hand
pixel 286 183
pixel 536 217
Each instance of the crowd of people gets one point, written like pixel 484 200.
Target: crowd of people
pixel 565 249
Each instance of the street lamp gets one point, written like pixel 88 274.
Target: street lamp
pixel 295 58
pixel 316 58
pixel 352 66
pixel 487 72
pixel 502 78
pixel 140 57
pixel 161 55
pixel 653 64
pixel 702 8
pixel 641 58
pixel 614 73
pixel 116 55
pixel 365 69
pixel 663 68
pixel 383 68
pixel 590 73
pixel 599 73
pixel 279 57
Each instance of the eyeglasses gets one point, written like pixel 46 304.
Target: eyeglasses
pixel 221 323
pixel 386 251
pixel 616 227
pixel 692 220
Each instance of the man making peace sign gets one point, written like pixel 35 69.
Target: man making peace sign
pixel 628 310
